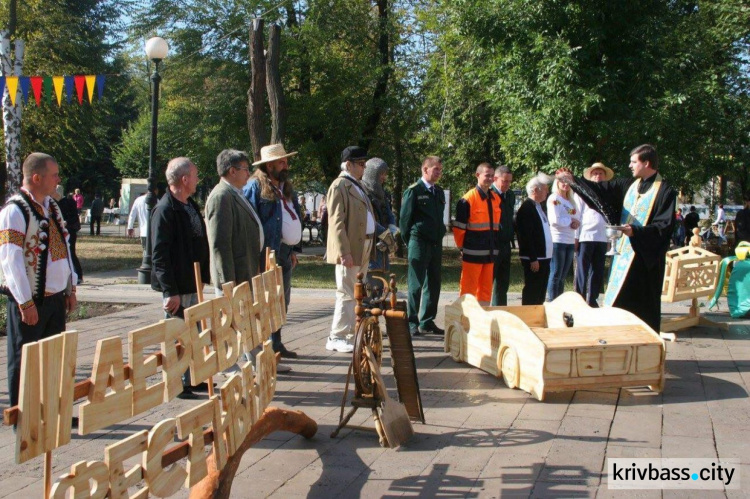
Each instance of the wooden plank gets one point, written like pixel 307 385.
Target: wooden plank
pixel 67 384
pixel 50 350
pixel 29 437
pixel 580 337
pixel 102 408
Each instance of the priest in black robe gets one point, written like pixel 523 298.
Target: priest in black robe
pixel 640 289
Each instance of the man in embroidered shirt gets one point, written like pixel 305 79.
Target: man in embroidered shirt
pixel 270 193
pixel 40 284
pixel 350 239
pixel 139 212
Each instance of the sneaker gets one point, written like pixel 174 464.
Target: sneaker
pixel 282 368
pixel 339 345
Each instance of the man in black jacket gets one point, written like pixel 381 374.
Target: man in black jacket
pixel 534 241
pixel 178 239
pixel 742 223
pixel 690 222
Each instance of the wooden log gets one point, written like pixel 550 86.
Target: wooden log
pixel 218 484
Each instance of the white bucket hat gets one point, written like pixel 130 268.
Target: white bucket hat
pixel 272 153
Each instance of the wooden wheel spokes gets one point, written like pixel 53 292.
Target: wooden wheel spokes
pixel 368 335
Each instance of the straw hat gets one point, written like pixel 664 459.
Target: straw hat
pixel 272 153
pixel 608 173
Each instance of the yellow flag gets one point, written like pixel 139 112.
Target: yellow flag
pixel 12 83
pixel 90 83
pixel 57 81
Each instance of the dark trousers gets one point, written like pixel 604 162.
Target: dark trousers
pixel 76 262
pixel 51 322
pixel 534 283
pixel 423 280
pixel 284 260
pixel 501 276
pixel 590 270
pixel 98 221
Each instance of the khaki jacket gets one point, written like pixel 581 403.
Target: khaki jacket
pixel 347 222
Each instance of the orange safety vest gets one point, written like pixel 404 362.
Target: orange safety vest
pixel 477 224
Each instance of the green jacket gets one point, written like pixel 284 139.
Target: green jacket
pixel 422 214
pixel 508 206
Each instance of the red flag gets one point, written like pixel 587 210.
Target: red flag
pixel 80 82
pixel 36 87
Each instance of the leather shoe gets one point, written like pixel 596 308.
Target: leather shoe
pixel 432 329
pixel 415 332
pixel 286 354
pixel 187 394
pixel 201 387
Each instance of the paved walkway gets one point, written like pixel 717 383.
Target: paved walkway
pixel 481 439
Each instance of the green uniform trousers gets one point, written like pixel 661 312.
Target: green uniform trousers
pixel 501 275
pixel 425 259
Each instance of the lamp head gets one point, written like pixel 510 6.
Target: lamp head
pixel 156 48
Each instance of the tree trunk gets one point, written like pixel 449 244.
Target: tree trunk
pixel 304 58
pixel 255 115
pixel 381 85
pixel 399 177
pixel 11 114
pixel 273 84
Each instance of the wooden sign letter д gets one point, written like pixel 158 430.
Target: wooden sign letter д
pixel 48 369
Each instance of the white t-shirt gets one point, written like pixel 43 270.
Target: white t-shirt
pixel 561 213
pixel 291 228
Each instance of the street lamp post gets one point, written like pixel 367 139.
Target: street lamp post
pixel 156 50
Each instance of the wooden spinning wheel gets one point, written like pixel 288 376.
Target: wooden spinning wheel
pixel 368 335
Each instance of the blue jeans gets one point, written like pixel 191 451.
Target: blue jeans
pixel 562 260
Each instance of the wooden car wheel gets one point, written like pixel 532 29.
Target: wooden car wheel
pixel 368 334
pixel 454 342
pixel 509 367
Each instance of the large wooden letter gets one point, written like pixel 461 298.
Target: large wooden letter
pixel 103 409
pixel 46 395
pixel 251 393
pixel 162 483
pixel 119 479
pixel 243 317
pixel 145 397
pixel 190 425
pixel 260 308
pixel 174 364
pixel 272 299
pixel 78 479
pixel 266 362
pixel 226 340
pixel 203 363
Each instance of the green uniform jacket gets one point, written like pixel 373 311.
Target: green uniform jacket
pixel 508 205
pixel 422 214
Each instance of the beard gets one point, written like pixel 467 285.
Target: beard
pixel 281 176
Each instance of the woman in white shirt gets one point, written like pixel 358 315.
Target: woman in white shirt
pixel 564 219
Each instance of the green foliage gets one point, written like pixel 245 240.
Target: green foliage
pixel 540 84
pixel 73 37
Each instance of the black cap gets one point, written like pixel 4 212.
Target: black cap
pixel 353 153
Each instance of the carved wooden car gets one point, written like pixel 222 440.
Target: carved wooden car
pixel 534 349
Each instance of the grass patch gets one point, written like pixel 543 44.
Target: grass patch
pixel 99 254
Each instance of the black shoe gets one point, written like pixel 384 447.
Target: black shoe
pixel 415 332
pixel 187 394
pixel 432 329
pixel 286 354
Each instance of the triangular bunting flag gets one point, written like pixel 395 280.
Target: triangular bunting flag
pixel 25 84
pixel 36 87
pixel 57 81
pixel 12 82
pixel 2 87
pixel 48 89
pixel 100 85
pixel 80 82
pixel 69 84
pixel 90 82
